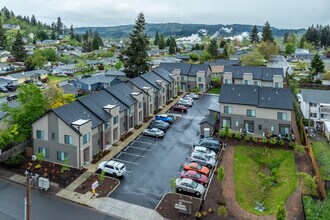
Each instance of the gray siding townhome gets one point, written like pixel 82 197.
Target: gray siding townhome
pixel 158 83
pixel 134 103
pixel 69 132
pixel 138 84
pixel 254 75
pixel 95 83
pixel 172 90
pixel 256 110
pixel 181 70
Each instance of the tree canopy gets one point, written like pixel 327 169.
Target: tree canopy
pixel 18 50
pixel 213 49
pixel 253 59
pixel 267 34
pixel 267 49
pixel 317 65
pixel 55 97
pixel 156 38
pixel 136 62
pixel 254 38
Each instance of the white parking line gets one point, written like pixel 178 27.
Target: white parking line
pixel 147 137
pixel 144 142
pixel 128 171
pixel 133 154
pixel 138 148
pixel 125 161
pixel 118 155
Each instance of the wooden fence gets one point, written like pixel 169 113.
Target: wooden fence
pixel 20 148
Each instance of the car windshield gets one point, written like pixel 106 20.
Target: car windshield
pixel 199 167
pixel 194 184
pixel 198 176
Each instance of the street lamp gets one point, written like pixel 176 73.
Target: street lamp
pixel 27 199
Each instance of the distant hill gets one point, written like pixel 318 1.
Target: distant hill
pixel 181 30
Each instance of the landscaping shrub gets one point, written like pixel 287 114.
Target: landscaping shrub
pixel 238 136
pixel 264 140
pixel 14 161
pixel 281 142
pixel 222 211
pixel 220 173
pixel 273 141
pixel 222 134
pixel 247 138
pixel 309 184
pixel 255 140
pixel 281 212
pixel 230 135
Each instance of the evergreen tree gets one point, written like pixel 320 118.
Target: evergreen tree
pixel 156 38
pixel 222 43
pixel 53 35
pixel 303 39
pixel 254 38
pixel 267 33
pixel 172 45
pixel 161 44
pixel 312 35
pixel 3 38
pixel 213 49
pixel 317 65
pixel 71 32
pixel 168 41
pixel 18 48
pixel 33 20
pixel 136 51
pixel 285 37
pixel 59 26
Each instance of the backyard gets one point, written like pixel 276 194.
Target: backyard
pixel 321 151
pixel 264 178
pixel 316 209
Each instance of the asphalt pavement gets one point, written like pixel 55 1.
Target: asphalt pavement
pixel 152 162
pixel 43 205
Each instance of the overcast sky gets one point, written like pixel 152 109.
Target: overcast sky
pixel 82 13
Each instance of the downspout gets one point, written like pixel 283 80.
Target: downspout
pixel 79 151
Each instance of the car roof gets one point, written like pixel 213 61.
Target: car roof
pixel 114 163
pixel 186 180
pixel 162 115
pixel 200 148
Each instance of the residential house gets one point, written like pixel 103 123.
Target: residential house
pixel 150 94
pixel 33 75
pixel 95 83
pixel 254 75
pixel 160 86
pixel 117 74
pixel 70 131
pixel 217 67
pixel 315 105
pixel 173 82
pixel 257 110
pixel 133 106
pixel 4 56
pixel 69 69
pixel 70 89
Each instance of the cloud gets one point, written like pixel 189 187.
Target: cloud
pixel 280 13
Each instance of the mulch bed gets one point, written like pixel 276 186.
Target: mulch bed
pixel 99 155
pixel 167 210
pixel 104 188
pixel 51 171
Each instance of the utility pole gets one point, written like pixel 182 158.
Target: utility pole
pixel 27 199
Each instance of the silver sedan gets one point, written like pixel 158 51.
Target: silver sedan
pixel 155 132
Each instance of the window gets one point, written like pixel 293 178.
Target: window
pixel 278 85
pixel 78 86
pixel 228 109
pixel 249 126
pixel 199 79
pixel 68 139
pixel 44 151
pixel 256 83
pixel 322 116
pixel 86 138
pixel 62 155
pixel 40 135
pixel 106 125
pixel 53 136
pixel 272 129
pixel 311 104
pixel 115 120
pixel 228 81
pixel 226 122
pixel 247 82
pixel 313 115
pixel 260 127
pixel 182 78
pixel 140 104
pixel 284 130
pixel 163 90
pixel 131 109
pixel 251 113
pixel 282 116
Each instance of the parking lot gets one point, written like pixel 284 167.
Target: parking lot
pixel 152 162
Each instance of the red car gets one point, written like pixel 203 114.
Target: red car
pixel 196 167
pixel 180 108
pixel 191 174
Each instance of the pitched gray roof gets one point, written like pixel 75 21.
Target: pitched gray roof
pixel 29 73
pixel 259 72
pixel 69 89
pixel 209 120
pixel 163 74
pixel 122 92
pixel 198 67
pixel 262 97
pixel 75 111
pixel 140 83
pixel 184 67
pixel 97 79
pixel 316 96
pixel 115 73
pixel 152 78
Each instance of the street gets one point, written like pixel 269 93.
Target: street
pixel 43 205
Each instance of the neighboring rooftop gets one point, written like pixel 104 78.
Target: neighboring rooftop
pixel 259 72
pixel 315 96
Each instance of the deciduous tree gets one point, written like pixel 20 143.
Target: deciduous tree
pixel 55 97
pixel 253 59
pixel 267 49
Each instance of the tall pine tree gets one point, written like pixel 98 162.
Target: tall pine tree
pixel 3 37
pixel 213 49
pixel 254 38
pixel 136 51
pixel 267 33
pixel 156 38
pixel 317 65
pixel 172 45
pixel 17 49
pixel 161 44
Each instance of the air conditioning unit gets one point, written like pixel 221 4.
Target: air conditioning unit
pixel 43 183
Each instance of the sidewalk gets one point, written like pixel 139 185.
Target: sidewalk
pixel 108 205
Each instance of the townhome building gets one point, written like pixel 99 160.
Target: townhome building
pixel 315 105
pixel 172 86
pixel 95 83
pixel 254 75
pixel 257 110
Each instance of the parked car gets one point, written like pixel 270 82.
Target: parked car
pixel 193 95
pixel 112 167
pixel 188 185
pixel 159 124
pixel 3 89
pixel 211 144
pixel 11 87
pixel 205 150
pixel 187 98
pixel 197 167
pixel 155 132
pixel 199 178
pixel 164 118
pixel 202 159
pixel 11 97
pixel 185 103
pixel 180 108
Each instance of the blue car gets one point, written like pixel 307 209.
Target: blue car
pixel 164 118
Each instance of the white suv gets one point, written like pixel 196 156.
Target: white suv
pixel 113 168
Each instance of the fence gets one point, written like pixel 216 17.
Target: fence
pixel 15 150
pixel 314 86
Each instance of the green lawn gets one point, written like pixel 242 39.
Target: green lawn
pixel 56 79
pixel 322 156
pixel 253 174
pixel 315 209
pixel 214 91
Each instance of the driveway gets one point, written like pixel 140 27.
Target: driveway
pixel 152 162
